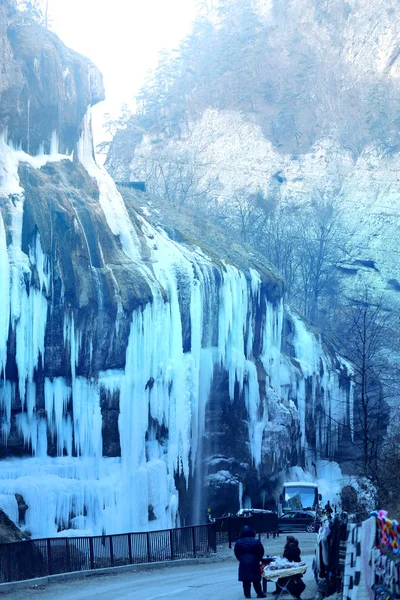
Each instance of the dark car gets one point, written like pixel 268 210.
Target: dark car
pixel 299 520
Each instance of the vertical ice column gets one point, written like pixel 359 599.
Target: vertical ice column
pixel 85 394
pixel 232 325
pixel 30 332
pixel 307 354
pixel 54 143
pixel 86 417
pixel 72 341
pixel 272 342
pixel 255 286
pixel 256 424
pixel 4 298
pixel 9 184
pixel 200 361
pixel 39 259
pixel 328 400
pixel 110 199
pixel 239 301
pixel 34 432
pixel 154 354
pixel 9 180
pixel 28 307
pixel 57 394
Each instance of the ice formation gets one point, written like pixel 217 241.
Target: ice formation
pixel 165 383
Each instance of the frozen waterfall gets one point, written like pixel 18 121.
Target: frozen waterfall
pixel 165 386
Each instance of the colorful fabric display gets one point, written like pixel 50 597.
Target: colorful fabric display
pixel 386 557
pixel 389 532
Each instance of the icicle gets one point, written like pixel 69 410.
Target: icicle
pixel 232 325
pixel 271 344
pixel 4 298
pixel 252 400
pixel 111 201
pixel 54 144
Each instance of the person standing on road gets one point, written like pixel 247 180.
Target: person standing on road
pixel 328 509
pixel 249 552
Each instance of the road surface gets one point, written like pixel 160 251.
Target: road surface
pixel 211 581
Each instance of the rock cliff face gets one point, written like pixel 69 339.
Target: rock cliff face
pixel 149 367
pixel 45 88
pixel 321 121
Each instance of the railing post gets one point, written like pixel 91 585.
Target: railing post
pixel 111 551
pixel 194 542
pixel 9 575
pixel 91 553
pixel 49 567
pixel 68 553
pixel 212 537
pixel 130 549
pixel 171 543
pixel 148 547
pixel 230 538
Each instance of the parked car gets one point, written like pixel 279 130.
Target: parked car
pixel 299 520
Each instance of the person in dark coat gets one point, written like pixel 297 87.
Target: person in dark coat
pixel 328 509
pixel 291 552
pixel 249 552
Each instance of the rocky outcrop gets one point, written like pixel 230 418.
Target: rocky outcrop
pixel 9 532
pixel 45 88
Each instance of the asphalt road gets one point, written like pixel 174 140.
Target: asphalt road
pixel 211 581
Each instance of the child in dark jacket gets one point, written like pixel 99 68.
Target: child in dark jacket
pixel 249 552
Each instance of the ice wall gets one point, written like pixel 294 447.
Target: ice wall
pixel 203 316
pixel 326 404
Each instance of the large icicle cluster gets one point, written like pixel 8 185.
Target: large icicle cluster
pixel 165 385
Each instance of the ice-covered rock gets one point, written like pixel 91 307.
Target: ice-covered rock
pixel 136 358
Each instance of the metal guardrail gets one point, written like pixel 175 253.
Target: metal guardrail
pixel 51 556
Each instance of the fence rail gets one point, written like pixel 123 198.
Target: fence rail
pixel 51 556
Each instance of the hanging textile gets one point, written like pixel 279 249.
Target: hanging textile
pixel 386 558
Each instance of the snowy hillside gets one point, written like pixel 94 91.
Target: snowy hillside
pixel 229 148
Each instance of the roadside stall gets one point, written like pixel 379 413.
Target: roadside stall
pixel 359 561
pixel 386 558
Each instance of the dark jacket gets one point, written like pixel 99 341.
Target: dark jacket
pixel 291 550
pixel 249 551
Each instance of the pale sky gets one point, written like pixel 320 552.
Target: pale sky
pixel 122 37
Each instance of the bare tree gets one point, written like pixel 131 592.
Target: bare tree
pixel 363 341
pixel 278 240
pixel 322 243
pixel 178 175
pixel 247 215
